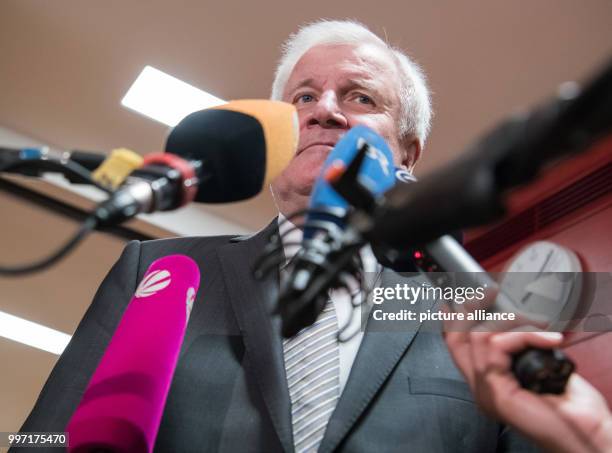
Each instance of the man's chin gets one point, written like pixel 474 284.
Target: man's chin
pixel 313 175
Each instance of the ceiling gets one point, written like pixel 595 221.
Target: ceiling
pixel 65 65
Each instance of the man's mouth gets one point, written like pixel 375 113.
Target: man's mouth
pixel 310 145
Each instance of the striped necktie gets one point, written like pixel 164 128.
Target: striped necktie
pixel 312 363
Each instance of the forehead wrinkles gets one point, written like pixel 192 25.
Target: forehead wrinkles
pixel 366 65
pixel 374 60
pixel 378 62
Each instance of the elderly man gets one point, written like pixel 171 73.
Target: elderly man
pixel 338 75
pixel 238 386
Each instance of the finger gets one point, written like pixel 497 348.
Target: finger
pixel 485 356
pixel 512 342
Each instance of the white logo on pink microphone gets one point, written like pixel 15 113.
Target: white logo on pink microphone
pixel 190 299
pixel 153 283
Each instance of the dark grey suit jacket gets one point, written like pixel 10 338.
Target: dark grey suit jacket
pixel 229 391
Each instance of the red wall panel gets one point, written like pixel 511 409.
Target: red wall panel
pixel 571 204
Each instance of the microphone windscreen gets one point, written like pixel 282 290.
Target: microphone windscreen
pixel 377 172
pixel 243 145
pixel 123 403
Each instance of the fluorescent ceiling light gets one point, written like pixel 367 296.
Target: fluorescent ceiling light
pixel 32 334
pixel 165 98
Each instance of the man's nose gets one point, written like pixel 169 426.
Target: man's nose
pixel 328 113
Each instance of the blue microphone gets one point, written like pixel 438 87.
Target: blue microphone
pixel 325 260
pixel 377 174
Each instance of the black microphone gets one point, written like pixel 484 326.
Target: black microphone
pixel 218 155
pixel 470 191
pixel 240 146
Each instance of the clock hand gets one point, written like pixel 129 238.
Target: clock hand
pixel 550 253
pixel 526 296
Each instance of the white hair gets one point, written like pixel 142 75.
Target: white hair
pixel 413 93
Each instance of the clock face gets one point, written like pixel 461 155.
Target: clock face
pixel 544 281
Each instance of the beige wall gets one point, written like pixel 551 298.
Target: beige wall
pixel 65 64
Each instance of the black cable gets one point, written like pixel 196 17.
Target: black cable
pixel 78 174
pixel 58 207
pixel 87 227
pixel 73 171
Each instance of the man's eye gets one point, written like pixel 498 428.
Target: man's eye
pixel 363 99
pixel 305 98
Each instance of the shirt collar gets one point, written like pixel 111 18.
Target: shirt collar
pixel 291 238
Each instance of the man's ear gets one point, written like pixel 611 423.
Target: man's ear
pixel 412 152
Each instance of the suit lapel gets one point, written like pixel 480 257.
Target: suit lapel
pixel 254 305
pixel 379 353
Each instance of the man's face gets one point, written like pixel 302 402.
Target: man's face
pixel 335 87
